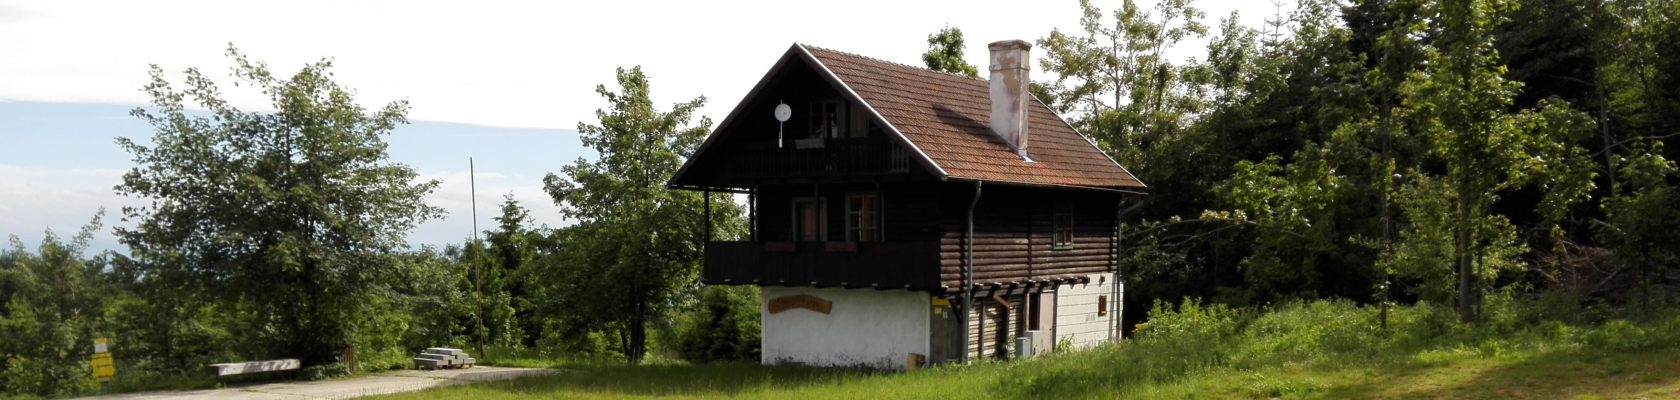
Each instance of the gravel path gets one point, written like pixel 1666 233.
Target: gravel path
pixel 381 383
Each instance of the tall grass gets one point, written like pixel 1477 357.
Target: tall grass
pixel 1319 349
pixel 1182 343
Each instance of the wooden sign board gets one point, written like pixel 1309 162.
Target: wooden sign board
pixel 784 303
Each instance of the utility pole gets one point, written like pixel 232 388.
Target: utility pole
pixel 478 288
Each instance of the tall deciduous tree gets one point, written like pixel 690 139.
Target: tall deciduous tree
pixel 1461 104
pixel 945 53
pixel 637 244
pixel 290 217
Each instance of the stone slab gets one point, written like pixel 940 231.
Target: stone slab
pixel 432 357
pixel 225 369
pixel 444 351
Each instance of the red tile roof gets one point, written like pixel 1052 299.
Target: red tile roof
pixel 945 116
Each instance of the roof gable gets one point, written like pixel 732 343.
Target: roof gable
pixel 942 118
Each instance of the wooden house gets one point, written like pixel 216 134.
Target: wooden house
pixel 903 215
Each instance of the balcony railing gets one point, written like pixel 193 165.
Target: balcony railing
pixel 819 157
pixel 882 265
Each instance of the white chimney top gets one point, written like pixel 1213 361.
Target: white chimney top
pixel 1010 63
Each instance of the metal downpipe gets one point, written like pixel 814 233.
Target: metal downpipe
pixel 968 273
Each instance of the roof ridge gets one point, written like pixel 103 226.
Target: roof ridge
pixel 894 63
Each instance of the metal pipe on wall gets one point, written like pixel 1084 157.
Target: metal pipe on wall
pixel 968 275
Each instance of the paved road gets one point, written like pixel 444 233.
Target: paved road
pixel 382 383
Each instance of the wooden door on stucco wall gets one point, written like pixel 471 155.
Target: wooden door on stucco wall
pixel 945 335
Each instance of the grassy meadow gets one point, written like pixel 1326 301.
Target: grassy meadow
pixel 1323 349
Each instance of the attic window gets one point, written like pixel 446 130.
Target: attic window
pixel 825 119
pixel 859 124
pixel 1061 233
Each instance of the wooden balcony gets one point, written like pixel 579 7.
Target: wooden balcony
pixel 882 265
pixel 817 157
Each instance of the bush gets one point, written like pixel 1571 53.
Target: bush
pixel 724 328
pixel 324 372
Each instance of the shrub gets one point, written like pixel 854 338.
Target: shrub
pixel 324 372
pixel 724 328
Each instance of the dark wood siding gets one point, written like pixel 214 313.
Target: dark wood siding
pixel 1012 234
pixel 887 265
pixel 909 211
pixel 1013 226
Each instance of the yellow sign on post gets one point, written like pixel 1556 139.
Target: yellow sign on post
pixel 102 367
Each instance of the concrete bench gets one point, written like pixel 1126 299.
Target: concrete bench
pixel 439 357
pixel 251 367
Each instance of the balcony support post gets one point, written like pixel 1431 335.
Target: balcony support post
pixel 752 214
pixel 707 217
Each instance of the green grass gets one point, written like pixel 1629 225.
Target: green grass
pixel 1328 350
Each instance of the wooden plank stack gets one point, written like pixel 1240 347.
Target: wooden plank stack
pixel 439 357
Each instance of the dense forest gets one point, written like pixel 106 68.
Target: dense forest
pixel 1388 151
pixel 1381 152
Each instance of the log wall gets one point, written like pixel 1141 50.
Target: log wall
pixel 1012 234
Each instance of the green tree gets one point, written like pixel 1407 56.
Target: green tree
pixel 513 245
pixel 945 53
pixel 1117 78
pixel 53 304
pixel 1640 216
pixel 1114 82
pixel 291 218
pixel 637 244
pixel 1460 103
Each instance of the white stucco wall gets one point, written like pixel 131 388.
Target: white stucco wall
pixel 1076 311
pixel 865 327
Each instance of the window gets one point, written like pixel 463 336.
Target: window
pixel 1061 233
pixel 863 217
pixel 860 125
pixel 808 220
pixel 825 119
pixel 1102 306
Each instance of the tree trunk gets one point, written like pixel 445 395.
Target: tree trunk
pixel 638 335
pixel 1462 250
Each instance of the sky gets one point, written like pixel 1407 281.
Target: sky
pixel 503 82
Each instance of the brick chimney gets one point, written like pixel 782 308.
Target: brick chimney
pixel 1009 92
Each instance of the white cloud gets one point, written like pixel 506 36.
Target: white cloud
pixel 33 200
pixel 454 195
pixel 489 63
pixel 495 63
pixel 14 14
